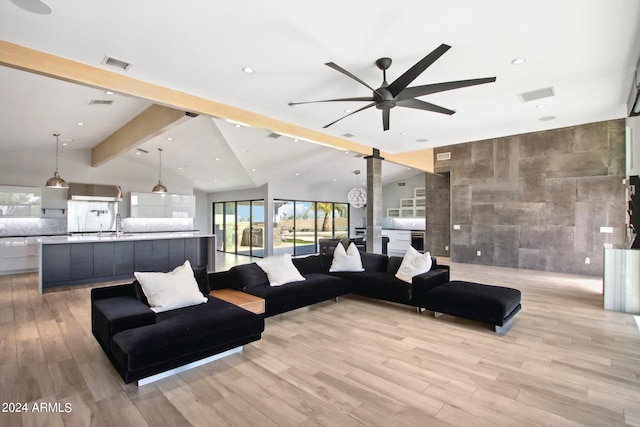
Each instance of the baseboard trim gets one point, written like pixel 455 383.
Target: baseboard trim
pixel 188 366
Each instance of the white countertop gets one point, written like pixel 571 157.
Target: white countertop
pixel 108 237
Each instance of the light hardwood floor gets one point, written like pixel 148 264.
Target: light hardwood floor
pixel 357 362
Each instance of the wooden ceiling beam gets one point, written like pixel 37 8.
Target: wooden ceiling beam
pixel 38 62
pixel 152 122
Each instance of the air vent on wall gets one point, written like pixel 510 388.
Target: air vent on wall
pixel 100 102
pixel 537 94
pixel 443 156
pixel 116 63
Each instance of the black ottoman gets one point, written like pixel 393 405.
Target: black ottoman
pixel 484 303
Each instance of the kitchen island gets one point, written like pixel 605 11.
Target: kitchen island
pixel 81 259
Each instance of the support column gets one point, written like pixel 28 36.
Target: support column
pixel 374 202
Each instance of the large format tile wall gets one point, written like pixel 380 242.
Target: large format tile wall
pixel 538 200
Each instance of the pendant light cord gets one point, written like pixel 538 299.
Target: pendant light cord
pixel 57 135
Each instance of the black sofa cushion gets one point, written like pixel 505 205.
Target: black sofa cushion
pixel 374 262
pixel 313 264
pixel 316 288
pixel 112 315
pixel 183 335
pixel 475 301
pixel 378 285
pixel 248 275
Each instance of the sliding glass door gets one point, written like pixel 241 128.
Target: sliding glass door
pixel 298 225
pixel 239 227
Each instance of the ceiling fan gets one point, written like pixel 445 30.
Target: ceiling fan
pixel 397 94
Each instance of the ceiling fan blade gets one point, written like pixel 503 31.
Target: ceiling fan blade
pixel 412 92
pixel 421 105
pixel 366 98
pixel 348 74
pixel 410 75
pixel 385 118
pixel 353 112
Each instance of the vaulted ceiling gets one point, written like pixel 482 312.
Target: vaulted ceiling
pixel 583 52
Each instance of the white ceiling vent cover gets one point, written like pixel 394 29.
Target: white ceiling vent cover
pixel 116 63
pixel 443 156
pixel 537 94
pixel 100 102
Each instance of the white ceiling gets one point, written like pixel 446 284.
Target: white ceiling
pixel 585 49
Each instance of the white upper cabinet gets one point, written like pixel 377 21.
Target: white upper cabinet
pixel 16 202
pixel 162 205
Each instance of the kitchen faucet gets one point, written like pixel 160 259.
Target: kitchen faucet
pixel 118 224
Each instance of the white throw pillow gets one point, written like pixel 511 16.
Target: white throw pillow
pixel 168 291
pixel 413 263
pixel 348 260
pixel 280 269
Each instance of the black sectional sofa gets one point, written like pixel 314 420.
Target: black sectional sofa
pixel 141 343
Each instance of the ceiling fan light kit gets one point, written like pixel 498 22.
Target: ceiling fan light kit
pixel 398 93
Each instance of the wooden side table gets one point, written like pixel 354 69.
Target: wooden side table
pixel 249 302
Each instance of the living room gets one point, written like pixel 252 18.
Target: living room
pixel 528 203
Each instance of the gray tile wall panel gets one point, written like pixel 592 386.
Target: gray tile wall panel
pixel 537 200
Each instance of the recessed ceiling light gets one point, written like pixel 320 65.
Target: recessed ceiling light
pixel 296 140
pixel 334 180
pixel 518 61
pixel 80 123
pixel 253 170
pixel 347 110
pixel 547 118
pixel 108 92
pixel 403 133
pixel 169 139
pixel 237 125
pixel 297 174
pixel 217 158
pixel 346 152
pixel 540 106
pixel 248 70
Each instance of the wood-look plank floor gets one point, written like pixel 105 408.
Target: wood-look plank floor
pixel 357 362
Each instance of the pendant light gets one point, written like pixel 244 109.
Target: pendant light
pixel 56 181
pixel 357 197
pixel 160 188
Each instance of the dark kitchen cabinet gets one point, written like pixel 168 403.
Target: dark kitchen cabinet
pixel 81 261
pixel 56 263
pixel 124 259
pixel 103 259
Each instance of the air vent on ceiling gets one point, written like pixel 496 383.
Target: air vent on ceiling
pixel 443 156
pixel 116 63
pixel 348 135
pixel 100 102
pixel 537 94
pixel 274 135
pixel 402 184
pixel 358 156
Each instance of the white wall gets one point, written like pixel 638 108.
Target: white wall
pixel 392 193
